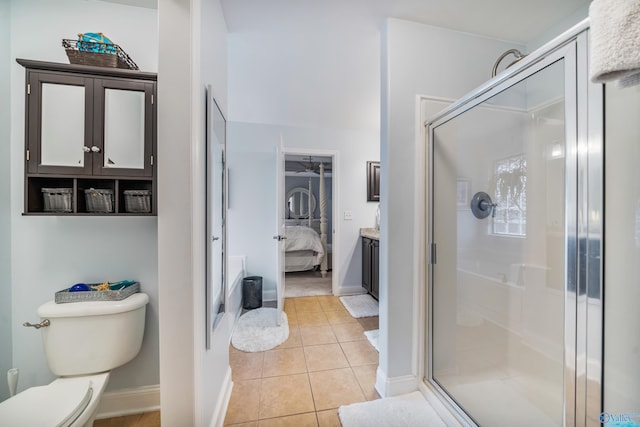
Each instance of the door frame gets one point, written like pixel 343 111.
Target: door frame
pixel 335 202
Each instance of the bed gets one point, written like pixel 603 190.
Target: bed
pixel 306 239
pixel 303 248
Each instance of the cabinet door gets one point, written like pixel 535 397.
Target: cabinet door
pixel 366 264
pixel 123 133
pixel 59 117
pixel 375 268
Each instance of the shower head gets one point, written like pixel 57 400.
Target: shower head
pixel 515 52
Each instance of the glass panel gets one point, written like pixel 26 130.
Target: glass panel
pixel 498 284
pixel 622 248
pixel 62 129
pixel 123 129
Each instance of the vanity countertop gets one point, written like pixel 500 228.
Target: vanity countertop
pixel 371 233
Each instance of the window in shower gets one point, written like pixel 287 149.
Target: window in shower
pixel 510 191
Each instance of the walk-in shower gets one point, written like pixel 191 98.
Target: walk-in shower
pixel 514 238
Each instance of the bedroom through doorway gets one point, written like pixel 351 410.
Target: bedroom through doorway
pixel 308 199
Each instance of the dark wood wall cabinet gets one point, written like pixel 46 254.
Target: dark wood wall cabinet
pixel 373 181
pixel 371 266
pixel 90 140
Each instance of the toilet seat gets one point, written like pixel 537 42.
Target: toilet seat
pixel 58 404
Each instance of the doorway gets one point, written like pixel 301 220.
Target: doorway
pixel 308 195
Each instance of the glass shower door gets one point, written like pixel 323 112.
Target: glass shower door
pixel 499 231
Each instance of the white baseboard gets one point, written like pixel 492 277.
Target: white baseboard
pixel 394 386
pixel 351 290
pixel 129 401
pixel 223 402
pixel 269 295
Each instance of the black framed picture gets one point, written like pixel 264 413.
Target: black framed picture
pixel 373 181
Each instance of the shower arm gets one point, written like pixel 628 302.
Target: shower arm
pixel 515 52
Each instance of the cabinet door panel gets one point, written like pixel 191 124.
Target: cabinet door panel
pixel 61 110
pixel 124 132
pixel 366 264
pixel 375 268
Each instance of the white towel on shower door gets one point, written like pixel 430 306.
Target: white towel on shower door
pixel 615 41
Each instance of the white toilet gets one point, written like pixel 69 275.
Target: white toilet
pixel 83 342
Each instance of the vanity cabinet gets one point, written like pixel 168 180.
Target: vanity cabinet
pixel 89 128
pixel 371 266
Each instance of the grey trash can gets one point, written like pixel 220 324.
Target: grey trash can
pixel 252 292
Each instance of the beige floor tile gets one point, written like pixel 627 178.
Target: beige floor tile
pixel 307 304
pixel 246 366
pixel 369 323
pixel 292 318
pixel 314 335
pixel 286 361
pixel 325 357
pixel 294 339
pixel 332 389
pixel 300 420
pixel 360 353
pixel 249 424
pixel 149 419
pixel 329 418
pixel 286 395
pixel 366 376
pixel 312 318
pixel 337 317
pixel 125 421
pixel 244 403
pixel 330 303
pixel 289 306
pixel 349 332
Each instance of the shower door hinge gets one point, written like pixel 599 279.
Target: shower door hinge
pixel 432 253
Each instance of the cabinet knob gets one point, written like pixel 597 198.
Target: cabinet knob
pixel 86 149
pixel 95 149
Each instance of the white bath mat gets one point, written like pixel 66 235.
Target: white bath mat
pixel 372 336
pixel 360 305
pixel 257 330
pixel 408 410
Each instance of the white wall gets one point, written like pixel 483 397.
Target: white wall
pixel 194 382
pixel 320 89
pixel 252 215
pixel 622 249
pixel 416 59
pixel 5 188
pixel 50 253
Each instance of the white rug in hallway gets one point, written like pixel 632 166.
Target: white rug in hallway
pixel 360 305
pixel 372 336
pixel 306 284
pixel 408 410
pixel 257 330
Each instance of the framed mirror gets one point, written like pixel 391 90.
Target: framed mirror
pixel 298 203
pixel 216 235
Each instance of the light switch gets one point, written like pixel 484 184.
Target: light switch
pixel 348 215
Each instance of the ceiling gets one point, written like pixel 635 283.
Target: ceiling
pixel 511 20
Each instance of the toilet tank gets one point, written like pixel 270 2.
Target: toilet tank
pixel 93 336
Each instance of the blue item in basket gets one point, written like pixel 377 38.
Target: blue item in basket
pixel 95 42
pixel 79 287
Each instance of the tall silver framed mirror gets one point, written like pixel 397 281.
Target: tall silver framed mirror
pixel 216 235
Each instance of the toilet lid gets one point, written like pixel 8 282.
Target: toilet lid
pixel 57 404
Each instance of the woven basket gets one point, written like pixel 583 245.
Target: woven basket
pixel 99 200
pixel 57 199
pixel 137 201
pixel 97 54
pixel 64 295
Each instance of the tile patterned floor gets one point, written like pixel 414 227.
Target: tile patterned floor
pixel 326 362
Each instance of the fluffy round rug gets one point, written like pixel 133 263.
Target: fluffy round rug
pixel 257 330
